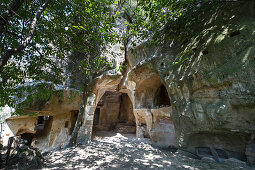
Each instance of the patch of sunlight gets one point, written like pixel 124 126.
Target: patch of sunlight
pixel 181 138
pixel 76 158
pixel 56 157
pixel 190 167
pixel 128 145
pixel 167 162
pixel 59 161
pixel 222 36
pixel 232 17
pixel 209 40
pixel 147 164
pixel 160 166
pixel 109 158
pixel 213 17
pixel 118 135
pixel 141 160
pixel 5 112
pixel 247 55
pixel 82 153
pixel 78 166
pixel 152 156
pixel 100 162
pixel 115 165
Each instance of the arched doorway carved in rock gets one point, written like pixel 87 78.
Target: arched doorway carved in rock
pixel 153 109
pixel 114 112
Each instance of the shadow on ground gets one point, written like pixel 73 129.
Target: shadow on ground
pixel 119 151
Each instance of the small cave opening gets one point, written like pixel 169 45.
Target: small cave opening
pixel 161 98
pixel 96 116
pixel 235 33
pixel 27 138
pixel 73 118
pixel 114 114
pixel 126 114
pixel 44 124
pixel 66 124
pixel 151 93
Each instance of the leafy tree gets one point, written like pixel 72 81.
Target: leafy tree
pixel 26 49
pixel 43 45
pixel 92 29
pixel 38 36
pixel 149 17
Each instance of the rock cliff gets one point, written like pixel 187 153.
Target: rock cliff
pixel 193 90
pixel 209 77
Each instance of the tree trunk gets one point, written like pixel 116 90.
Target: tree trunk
pixel 77 126
pixel 10 141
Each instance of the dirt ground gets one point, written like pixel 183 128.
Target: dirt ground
pixel 117 151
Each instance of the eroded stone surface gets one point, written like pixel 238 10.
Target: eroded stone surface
pixel 212 90
pixel 209 79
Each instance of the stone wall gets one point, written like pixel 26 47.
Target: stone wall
pixel 209 77
pixel 109 111
pixel 126 110
pixel 157 125
pixel 55 132
pixel 49 127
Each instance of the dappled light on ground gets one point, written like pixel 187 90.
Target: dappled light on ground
pixel 118 151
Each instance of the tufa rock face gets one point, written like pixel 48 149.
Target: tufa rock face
pixel 197 94
pixel 209 78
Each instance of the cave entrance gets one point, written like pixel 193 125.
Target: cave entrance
pixel 44 124
pixel 161 98
pixel 151 93
pixel 73 118
pixel 43 128
pixel 114 114
pixel 153 109
pixel 28 137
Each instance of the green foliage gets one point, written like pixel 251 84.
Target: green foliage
pixel 183 56
pixel 64 29
pixel 147 17
pixel 70 38
pixel 121 68
pixel 90 30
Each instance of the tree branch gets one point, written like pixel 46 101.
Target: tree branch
pixel 12 33
pixel 12 9
pixel 6 56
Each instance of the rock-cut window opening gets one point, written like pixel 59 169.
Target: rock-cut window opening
pixel 151 93
pixel 96 116
pixel 162 98
pixel 74 116
pixel 28 137
pixel 42 128
pixel 44 124
pixel 114 112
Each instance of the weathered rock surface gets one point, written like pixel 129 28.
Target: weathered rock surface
pixel 250 152
pixel 47 126
pixel 209 78
pixel 157 125
pixel 196 93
